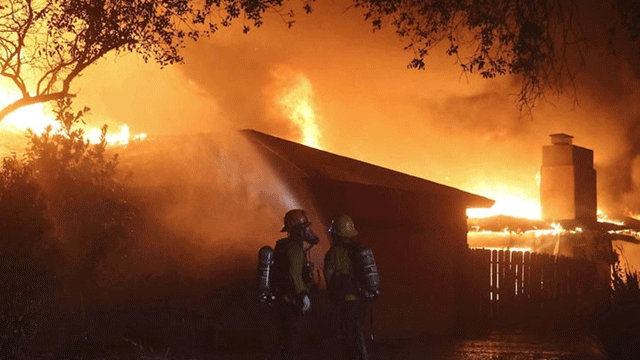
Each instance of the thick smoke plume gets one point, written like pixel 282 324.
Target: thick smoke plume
pixel 210 191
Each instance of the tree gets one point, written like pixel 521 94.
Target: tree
pixel 58 39
pixel 541 42
pixel 46 44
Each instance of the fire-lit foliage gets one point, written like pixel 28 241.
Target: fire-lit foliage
pixel 45 45
pixel 491 38
pixel 63 209
pixel 85 198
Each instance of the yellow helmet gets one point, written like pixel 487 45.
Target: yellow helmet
pixel 343 226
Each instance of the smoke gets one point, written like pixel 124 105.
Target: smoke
pixel 212 191
pixel 124 90
pixel 438 124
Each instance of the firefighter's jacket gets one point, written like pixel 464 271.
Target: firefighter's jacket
pixel 290 267
pixel 342 283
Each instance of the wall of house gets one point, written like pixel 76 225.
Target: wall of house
pixel 417 240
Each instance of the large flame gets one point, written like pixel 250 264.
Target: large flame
pixel 29 117
pixel 37 119
pixel 297 105
pixel 510 200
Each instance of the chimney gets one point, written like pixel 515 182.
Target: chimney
pixel 567 181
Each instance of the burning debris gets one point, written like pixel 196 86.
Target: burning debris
pixel 570 225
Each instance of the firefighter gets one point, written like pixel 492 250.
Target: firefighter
pixel 293 281
pixel 352 283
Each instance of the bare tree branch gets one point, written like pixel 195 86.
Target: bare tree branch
pixel 58 39
pixel 26 101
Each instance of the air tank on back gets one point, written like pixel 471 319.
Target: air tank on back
pixel 265 262
pixel 369 271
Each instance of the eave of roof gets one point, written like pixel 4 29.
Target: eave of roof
pixel 314 162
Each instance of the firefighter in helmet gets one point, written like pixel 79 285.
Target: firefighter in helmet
pixel 293 281
pixel 352 283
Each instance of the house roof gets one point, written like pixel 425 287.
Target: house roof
pixel 311 162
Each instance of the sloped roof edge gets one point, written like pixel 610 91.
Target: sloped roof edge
pixel 310 161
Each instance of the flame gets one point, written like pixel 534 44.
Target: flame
pixel 122 137
pixel 509 200
pixel 602 217
pixel 523 249
pixel 29 117
pixel 37 119
pixel 296 103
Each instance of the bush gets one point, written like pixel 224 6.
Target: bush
pixel 86 200
pixel 25 281
pixel 617 321
pixel 25 289
pixel 62 198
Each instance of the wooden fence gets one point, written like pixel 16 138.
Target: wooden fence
pixel 514 286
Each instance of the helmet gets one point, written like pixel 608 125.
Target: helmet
pixel 295 218
pixel 343 226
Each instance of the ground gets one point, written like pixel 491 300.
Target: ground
pixel 495 346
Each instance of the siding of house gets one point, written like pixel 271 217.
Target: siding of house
pixel 416 228
pixel 418 241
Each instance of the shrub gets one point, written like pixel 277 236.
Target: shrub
pixel 62 197
pixel 617 321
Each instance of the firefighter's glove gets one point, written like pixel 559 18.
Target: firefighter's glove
pixel 303 301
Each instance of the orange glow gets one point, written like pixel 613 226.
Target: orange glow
pixel 37 119
pixel 509 200
pixel 602 217
pixel 29 117
pixel 122 137
pixel 523 249
pixel 297 105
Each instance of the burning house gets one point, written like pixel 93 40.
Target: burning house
pixel 211 202
pixel 416 228
pixel 569 228
pixel 569 224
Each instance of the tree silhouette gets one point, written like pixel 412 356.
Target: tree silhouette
pixel 541 42
pixel 45 45
pixel 58 39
